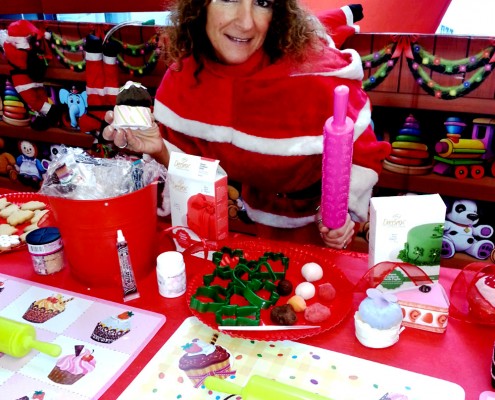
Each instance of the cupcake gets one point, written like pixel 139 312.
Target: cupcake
pixel 42 310
pixel 481 299
pixel 112 328
pixel 69 369
pixel 378 320
pixel 132 109
pixel 201 360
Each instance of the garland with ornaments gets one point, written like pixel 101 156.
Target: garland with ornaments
pixel 420 60
pixel 70 53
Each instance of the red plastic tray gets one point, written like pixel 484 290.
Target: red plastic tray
pixel 20 198
pixel 298 256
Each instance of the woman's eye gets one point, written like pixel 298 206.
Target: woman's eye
pixel 264 3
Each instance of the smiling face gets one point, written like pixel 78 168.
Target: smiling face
pixel 237 28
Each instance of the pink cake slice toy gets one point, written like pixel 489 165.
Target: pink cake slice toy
pixel 424 307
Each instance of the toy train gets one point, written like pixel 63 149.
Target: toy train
pixel 461 157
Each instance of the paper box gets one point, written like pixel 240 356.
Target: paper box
pixel 424 307
pixel 198 195
pixel 406 229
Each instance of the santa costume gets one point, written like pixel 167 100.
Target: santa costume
pixel 264 122
pixel 22 47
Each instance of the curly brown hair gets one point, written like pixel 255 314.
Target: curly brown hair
pixel 291 30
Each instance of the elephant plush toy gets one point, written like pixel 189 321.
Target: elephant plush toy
pixel 76 102
pixel 463 233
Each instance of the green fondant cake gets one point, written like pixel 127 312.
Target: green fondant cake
pixel 423 246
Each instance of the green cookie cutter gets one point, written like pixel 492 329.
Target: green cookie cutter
pixel 260 276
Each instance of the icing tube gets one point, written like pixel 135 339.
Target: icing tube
pixel 126 272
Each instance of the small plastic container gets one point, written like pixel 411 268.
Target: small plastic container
pixel 171 274
pixel 46 249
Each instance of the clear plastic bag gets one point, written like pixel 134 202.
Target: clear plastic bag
pixel 74 174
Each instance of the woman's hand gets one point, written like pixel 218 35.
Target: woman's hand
pixel 336 238
pixel 146 141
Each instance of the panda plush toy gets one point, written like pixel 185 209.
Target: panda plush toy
pixel 462 234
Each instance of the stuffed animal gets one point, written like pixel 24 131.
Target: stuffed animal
pixel 77 103
pixel 23 46
pixel 29 167
pixel 461 232
pixel 7 163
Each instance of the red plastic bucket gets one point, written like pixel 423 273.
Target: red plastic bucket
pixel 89 233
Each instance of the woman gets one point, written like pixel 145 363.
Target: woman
pixel 251 83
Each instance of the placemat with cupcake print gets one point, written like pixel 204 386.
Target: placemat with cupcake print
pixel 195 351
pixel 99 339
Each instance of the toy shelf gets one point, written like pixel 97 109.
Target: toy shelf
pixel 476 189
pixel 52 135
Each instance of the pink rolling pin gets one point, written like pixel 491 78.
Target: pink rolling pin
pixel 338 134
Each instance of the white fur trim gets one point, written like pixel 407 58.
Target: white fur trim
pixel 353 71
pixel 304 145
pixel 20 42
pixel 45 108
pixel 109 60
pixel 93 56
pixel 349 18
pixel 3 36
pixel 362 181
pixel 278 221
pixel 28 86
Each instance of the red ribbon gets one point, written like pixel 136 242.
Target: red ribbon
pixel 225 372
pixel 205 211
pixel 404 45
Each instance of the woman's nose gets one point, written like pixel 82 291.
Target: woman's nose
pixel 245 14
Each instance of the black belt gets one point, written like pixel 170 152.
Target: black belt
pixel 310 192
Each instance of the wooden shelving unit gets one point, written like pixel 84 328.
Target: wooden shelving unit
pixel 52 135
pixel 477 189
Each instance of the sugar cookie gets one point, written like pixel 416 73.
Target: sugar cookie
pixel 33 205
pixel 19 217
pixel 6 229
pixel 9 210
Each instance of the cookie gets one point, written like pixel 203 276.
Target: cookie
pixel 31 227
pixel 19 217
pixel 4 203
pixel 7 242
pixel 38 214
pixel 6 229
pixel 9 210
pixel 33 205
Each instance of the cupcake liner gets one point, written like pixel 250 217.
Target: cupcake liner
pixel 38 315
pixel 63 377
pixel 197 376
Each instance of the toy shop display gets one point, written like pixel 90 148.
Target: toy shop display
pixel 463 233
pixel 462 157
pixel 409 152
pixel 28 165
pixel 77 104
pixel 23 45
pixel 14 111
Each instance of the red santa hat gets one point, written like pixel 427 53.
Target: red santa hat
pixel 19 33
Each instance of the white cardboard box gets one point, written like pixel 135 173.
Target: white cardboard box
pixel 407 229
pixel 198 195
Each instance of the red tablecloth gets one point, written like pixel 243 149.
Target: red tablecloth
pixel 461 355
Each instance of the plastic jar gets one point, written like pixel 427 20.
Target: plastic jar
pixel 171 274
pixel 46 249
